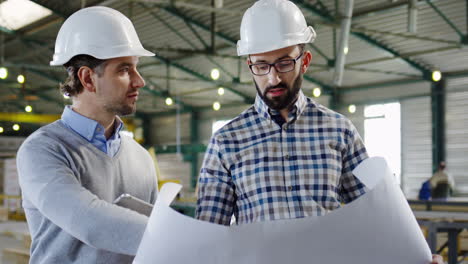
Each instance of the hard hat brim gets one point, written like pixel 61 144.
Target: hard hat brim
pixel 139 52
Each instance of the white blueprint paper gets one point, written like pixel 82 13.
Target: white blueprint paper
pixel 379 227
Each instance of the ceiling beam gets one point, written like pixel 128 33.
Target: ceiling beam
pixel 373 41
pixel 203 77
pixel 383 7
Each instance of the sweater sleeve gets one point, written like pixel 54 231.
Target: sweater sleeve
pixel 50 185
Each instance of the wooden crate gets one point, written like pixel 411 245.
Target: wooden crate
pixel 3 214
pixel 16 255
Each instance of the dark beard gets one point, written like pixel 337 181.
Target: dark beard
pixel 285 101
pixel 121 110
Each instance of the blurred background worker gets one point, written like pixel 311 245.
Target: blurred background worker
pixel 441 183
pixel 71 171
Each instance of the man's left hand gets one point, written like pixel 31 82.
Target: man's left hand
pixel 437 259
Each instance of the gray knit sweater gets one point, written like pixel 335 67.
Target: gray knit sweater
pixel 68 186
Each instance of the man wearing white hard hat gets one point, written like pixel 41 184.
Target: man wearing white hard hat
pixel 71 171
pixel 286 156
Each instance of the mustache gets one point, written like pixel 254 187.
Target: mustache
pixel 279 85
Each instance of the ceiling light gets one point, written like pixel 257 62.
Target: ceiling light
pixel 66 96
pixel 316 92
pixel 352 109
pixel 28 109
pixel 436 76
pixel 20 78
pixel 220 90
pixel 16 127
pixel 1 130
pixel 346 49
pixel 215 74
pixel 19 13
pixel 169 101
pixel 216 106
pixel 3 73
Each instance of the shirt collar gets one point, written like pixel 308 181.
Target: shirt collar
pixel 87 127
pixel 296 110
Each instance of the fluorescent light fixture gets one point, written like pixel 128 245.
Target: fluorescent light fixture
pixel 316 92
pixel 216 106
pixel 346 49
pixel 19 13
pixel 28 109
pixel 3 73
pixel 436 76
pixel 20 78
pixel 16 127
pixel 169 101
pixel 215 74
pixel 1 130
pixel 220 90
pixel 352 109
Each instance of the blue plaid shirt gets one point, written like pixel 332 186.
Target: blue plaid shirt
pixel 258 169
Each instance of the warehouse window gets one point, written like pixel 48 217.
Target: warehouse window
pixel 19 13
pixel 218 124
pixel 383 135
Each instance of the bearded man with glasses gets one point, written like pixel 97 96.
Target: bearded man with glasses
pixel 286 156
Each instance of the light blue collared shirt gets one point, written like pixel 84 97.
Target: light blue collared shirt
pixel 93 131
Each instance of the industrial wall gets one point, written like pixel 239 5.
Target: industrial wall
pixel 416 130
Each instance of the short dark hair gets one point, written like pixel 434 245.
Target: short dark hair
pixel 301 46
pixel 72 85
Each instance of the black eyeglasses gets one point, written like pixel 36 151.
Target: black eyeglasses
pixel 282 66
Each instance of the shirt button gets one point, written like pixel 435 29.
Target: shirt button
pixel 285 127
pixel 287 156
pixel 290 188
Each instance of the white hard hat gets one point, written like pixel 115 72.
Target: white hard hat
pixel 272 24
pixel 98 31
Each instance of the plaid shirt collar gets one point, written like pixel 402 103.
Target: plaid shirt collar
pixel 294 114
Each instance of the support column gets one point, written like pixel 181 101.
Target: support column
pixel 194 139
pixel 343 45
pixel 146 125
pixel 334 102
pixel 438 122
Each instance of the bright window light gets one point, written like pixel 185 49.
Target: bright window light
pixel 377 110
pixel 382 134
pixel 16 14
pixel 218 124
